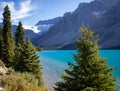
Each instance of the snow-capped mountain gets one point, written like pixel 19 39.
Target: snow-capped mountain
pixel 103 16
pixel 45 25
pixel 36 31
pixel 64 33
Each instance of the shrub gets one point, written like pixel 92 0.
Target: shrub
pixel 38 89
pixel 2 64
pixel 21 82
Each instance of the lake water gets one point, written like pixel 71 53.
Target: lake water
pixel 55 61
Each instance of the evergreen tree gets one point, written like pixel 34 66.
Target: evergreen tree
pixel 1 42
pixel 8 40
pixel 19 36
pixel 29 61
pixel 19 41
pixel 26 59
pixel 91 72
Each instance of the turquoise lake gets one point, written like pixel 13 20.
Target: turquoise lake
pixel 55 61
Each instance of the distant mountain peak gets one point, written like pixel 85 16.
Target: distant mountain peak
pixel 50 21
pixel 67 14
pixel 64 32
pixel 45 25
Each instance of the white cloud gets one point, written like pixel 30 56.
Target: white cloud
pixel 16 14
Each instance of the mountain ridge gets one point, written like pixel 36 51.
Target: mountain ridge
pixel 64 32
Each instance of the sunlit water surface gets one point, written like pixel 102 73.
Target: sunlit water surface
pixel 54 62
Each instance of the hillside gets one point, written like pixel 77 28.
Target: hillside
pixel 64 33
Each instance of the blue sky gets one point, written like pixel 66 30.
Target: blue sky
pixel 31 11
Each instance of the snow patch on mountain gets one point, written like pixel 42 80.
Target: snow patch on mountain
pixel 44 27
pixel 33 28
pixel 98 13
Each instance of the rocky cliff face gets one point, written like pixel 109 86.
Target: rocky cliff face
pixel 46 24
pixel 64 33
pixel 108 27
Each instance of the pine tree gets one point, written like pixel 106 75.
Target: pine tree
pixel 91 72
pixel 19 41
pixel 26 59
pixel 29 61
pixel 1 43
pixel 19 36
pixel 8 39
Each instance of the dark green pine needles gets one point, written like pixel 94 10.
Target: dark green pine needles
pixel 8 39
pixel 16 52
pixel 19 36
pixel 26 59
pixel 19 41
pixel 1 43
pixel 29 61
pixel 91 72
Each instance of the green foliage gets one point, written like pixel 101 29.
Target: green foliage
pixel 8 40
pixel 38 89
pixel 21 56
pixel 88 89
pixel 19 36
pixel 2 64
pixel 14 83
pixel 91 72
pixel 26 59
pixel 29 61
pixel 18 54
pixel 21 82
pixel 19 41
pixel 39 48
pixel 1 42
